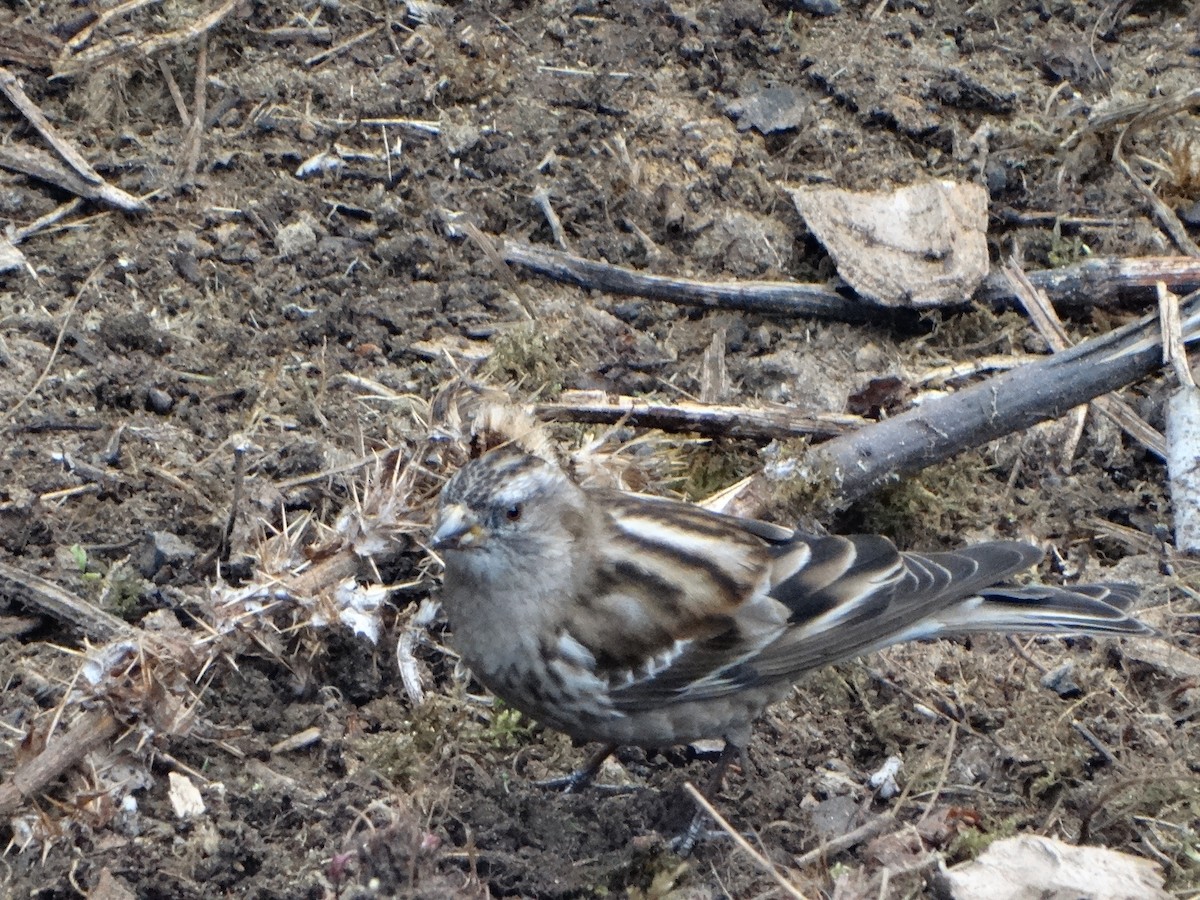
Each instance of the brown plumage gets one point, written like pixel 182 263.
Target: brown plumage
pixel 628 619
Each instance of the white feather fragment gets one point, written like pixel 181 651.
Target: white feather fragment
pixel 359 606
pixel 103 660
pixel 883 780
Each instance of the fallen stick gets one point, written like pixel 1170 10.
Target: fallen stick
pixel 89 59
pixel 35 592
pixel 41 166
pixel 56 215
pixel 598 408
pixel 121 9
pixel 195 133
pixel 1183 428
pixel 87 182
pixel 865 832
pixel 781 297
pixel 10 86
pixel 857 462
pixel 61 753
pixel 764 864
pixel 1012 401
pixel 1155 111
pixel 1089 283
pixel 1098 281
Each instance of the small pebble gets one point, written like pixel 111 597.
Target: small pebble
pixel 159 401
pixel 1061 682
pixel 820 7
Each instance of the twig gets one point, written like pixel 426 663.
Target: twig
pixel 88 60
pixel 36 592
pixel 285 34
pixel 714 374
pixel 970 368
pixel 60 754
pixel 85 34
pixel 1089 283
pixel 1164 214
pixel 874 828
pixel 1054 217
pixel 541 197
pixel 1173 352
pixel 1011 401
pixel 324 55
pixel 56 215
pixel 488 246
pixel 1135 114
pixel 239 480
pixel 1096 743
pixel 176 94
pixel 763 863
pixel 88 181
pixel 1183 427
pixel 1153 111
pixel 1045 319
pixel 16 95
pixel 1038 307
pixel 191 158
pixel 584 73
pixel 297 741
pixel 597 408
pixel 425 126
pixel 37 164
pixel 945 773
pixel 749 296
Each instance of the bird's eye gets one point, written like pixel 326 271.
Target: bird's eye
pixel 513 513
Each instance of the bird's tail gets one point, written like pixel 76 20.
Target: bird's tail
pixel 1081 609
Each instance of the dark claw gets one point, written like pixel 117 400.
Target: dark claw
pixel 682 845
pixel 582 778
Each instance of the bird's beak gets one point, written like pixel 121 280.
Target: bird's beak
pixel 455 529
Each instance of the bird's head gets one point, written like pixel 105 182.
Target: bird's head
pixel 505 504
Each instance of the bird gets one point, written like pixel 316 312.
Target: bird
pixel 630 619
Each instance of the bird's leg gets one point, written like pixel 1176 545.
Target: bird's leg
pixel 686 842
pixel 583 777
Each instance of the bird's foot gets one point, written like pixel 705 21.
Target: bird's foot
pixel 695 834
pixel 584 777
pixel 581 779
pixel 685 843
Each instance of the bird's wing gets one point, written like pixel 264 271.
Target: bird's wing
pixel 852 595
pixel 828 599
pixel 676 592
pixel 824 599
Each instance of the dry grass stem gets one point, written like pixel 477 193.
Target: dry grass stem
pixel 761 861
pixel 1048 324
pixel 90 58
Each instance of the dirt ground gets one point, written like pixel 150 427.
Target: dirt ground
pixel 303 284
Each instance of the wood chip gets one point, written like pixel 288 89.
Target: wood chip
pixel 920 246
pixel 184 796
pixel 1033 867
